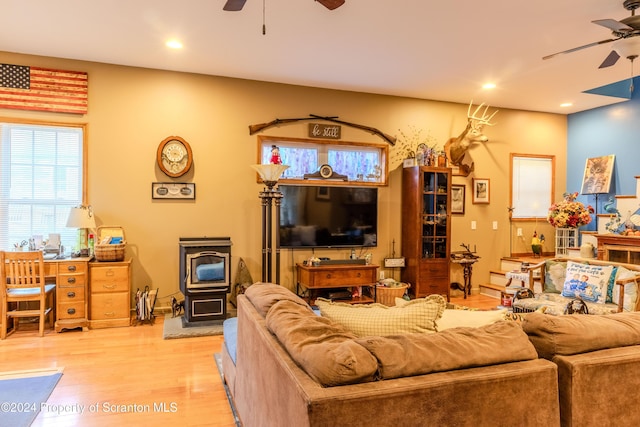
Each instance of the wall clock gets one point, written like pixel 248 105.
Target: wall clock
pixel 174 156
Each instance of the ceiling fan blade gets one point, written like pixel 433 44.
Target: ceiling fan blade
pixel 234 5
pixel 580 47
pixel 613 25
pixel 331 4
pixel 610 60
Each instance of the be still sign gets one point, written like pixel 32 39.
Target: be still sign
pixel 318 130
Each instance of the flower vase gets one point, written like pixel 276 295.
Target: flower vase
pixel 565 238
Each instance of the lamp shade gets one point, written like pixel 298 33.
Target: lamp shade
pixel 270 173
pixel 81 217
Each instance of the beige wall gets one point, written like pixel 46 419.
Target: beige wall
pixel 132 109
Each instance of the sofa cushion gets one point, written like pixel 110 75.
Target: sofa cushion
pixel 264 295
pixel 418 315
pixel 324 350
pixel 574 334
pixel 630 289
pixel 419 354
pixel 586 281
pixel 469 318
pixel 555 304
pixel 554 275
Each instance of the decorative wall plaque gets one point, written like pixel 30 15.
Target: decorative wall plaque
pixel 319 130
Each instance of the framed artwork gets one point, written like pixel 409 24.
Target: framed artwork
pixel 322 193
pixel 597 175
pixel 480 190
pixel 457 198
pixel 173 190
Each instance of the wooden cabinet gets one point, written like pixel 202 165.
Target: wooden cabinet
pixel 110 294
pixel 71 292
pixel 618 248
pixel 426 229
pixel 328 277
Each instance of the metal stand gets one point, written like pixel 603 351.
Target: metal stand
pixel 270 197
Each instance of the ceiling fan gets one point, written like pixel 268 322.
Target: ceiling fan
pixel 235 5
pixel 624 30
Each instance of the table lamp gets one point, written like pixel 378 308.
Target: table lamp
pixel 82 218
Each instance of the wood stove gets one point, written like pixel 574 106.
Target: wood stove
pixel 205 278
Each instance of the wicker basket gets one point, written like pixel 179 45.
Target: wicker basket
pixel 387 295
pixel 110 252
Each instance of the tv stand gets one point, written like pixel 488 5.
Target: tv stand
pixel 327 277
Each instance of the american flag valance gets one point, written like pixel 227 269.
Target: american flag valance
pixel 42 89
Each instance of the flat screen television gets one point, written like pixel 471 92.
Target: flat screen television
pixel 328 217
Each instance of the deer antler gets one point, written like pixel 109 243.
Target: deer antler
pixel 481 121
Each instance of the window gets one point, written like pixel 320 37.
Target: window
pixel 362 163
pixel 42 177
pixel 532 185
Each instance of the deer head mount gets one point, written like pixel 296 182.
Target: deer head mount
pixel 456 148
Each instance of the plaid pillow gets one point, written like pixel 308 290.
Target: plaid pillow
pixel 419 315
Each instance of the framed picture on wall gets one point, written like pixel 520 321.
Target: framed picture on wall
pixel 457 198
pixel 597 175
pixel 480 190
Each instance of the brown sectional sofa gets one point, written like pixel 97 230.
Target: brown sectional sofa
pixel 598 359
pixel 508 385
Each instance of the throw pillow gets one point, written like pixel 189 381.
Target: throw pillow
pixel 554 275
pixel 588 282
pixel 325 350
pixel 611 284
pixel 459 318
pixel 630 289
pixel 406 355
pixel 417 316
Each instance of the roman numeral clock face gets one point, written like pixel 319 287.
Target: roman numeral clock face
pixel 174 156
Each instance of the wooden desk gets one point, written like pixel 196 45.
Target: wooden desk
pixel 338 276
pixel 71 276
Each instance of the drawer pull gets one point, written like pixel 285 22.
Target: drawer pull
pixel 71 268
pixel 328 275
pixel 109 286
pixel 71 310
pixel 359 274
pixel 71 294
pixel 110 272
pixel 71 280
pixel 110 314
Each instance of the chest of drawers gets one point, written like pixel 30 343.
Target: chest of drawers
pixel 109 294
pixel 71 289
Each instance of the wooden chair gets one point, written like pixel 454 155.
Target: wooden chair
pixel 22 284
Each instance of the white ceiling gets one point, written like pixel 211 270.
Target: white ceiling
pixel 440 50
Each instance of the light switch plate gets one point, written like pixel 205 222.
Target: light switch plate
pixel 394 262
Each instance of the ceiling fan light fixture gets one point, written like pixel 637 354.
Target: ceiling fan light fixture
pixel 627 47
pixel 331 4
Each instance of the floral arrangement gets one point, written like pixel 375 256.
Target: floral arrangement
pixel 569 213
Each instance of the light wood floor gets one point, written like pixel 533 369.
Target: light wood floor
pixel 169 382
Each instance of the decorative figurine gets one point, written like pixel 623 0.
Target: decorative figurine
pixel 536 244
pixel 275 155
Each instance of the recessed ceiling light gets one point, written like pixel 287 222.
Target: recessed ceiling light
pixel 566 104
pixel 489 86
pixel 173 44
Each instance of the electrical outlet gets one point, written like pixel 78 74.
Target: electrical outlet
pixel 495 225
pixel 473 225
pixel 519 232
pixel 381 275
